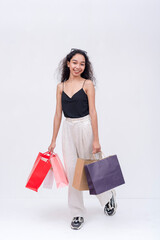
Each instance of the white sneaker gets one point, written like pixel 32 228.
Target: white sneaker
pixel 111 207
pixel 77 223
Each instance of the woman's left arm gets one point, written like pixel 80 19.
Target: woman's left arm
pixel 93 115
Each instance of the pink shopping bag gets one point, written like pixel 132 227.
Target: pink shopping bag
pixel 58 170
pixel 49 179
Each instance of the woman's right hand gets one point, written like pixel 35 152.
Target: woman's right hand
pixel 51 147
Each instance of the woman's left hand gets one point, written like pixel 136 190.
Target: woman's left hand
pixel 96 147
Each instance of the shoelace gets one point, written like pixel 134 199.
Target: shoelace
pixel 76 219
pixel 109 205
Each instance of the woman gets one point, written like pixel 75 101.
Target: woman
pixel 76 99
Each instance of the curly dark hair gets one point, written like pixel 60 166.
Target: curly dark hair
pixel 65 71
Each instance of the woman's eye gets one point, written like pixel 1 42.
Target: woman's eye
pixel 75 63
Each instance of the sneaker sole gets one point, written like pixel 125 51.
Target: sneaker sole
pixel 77 228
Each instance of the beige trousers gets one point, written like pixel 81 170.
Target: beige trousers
pixel 77 138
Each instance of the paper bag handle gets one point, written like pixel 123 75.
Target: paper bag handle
pixel 49 153
pixel 93 154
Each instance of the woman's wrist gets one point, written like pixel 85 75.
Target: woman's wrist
pixel 53 140
pixel 96 140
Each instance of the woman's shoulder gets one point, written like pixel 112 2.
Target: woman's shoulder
pixel 89 83
pixel 88 86
pixel 60 86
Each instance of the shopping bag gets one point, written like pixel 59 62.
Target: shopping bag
pixel 49 179
pixel 104 175
pixel 59 171
pixel 39 171
pixel 79 179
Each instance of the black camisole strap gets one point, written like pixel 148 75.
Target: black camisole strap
pixel 83 83
pixel 82 86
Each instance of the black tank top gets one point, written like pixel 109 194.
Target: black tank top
pixel 75 106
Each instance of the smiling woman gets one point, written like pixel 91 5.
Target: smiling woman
pixel 76 64
pixel 83 60
pixel 76 99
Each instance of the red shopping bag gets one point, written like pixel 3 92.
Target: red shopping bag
pixel 58 170
pixel 39 171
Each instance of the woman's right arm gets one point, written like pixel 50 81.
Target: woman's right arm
pixel 57 117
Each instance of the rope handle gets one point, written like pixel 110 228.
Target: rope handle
pixel 101 153
pixel 49 153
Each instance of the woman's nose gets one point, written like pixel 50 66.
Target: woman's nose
pixel 78 67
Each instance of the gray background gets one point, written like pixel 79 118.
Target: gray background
pixel 122 40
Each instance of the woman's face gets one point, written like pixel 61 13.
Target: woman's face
pixel 76 64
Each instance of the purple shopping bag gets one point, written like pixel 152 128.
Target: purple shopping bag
pixel 104 175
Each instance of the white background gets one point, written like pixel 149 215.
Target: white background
pixel 122 40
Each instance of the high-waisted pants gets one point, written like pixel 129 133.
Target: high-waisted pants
pixel 77 139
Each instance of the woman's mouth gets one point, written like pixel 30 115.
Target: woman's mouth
pixel 77 71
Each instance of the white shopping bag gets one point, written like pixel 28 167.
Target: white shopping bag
pixel 49 179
